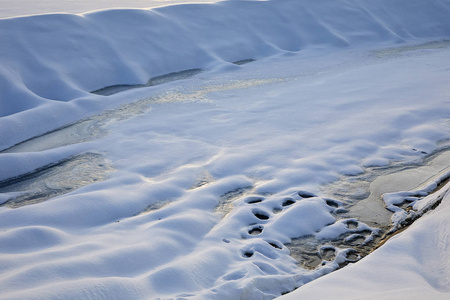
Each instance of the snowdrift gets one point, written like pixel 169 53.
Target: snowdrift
pixel 62 57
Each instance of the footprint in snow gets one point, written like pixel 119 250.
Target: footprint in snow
pixel 253 199
pixel 306 194
pixel 266 248
pixel 256 230
pixel 261 214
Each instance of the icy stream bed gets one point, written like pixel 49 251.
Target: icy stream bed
pixel 284 228
pixel 246 180
pixel 362 198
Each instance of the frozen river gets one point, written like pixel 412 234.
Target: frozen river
pixel 346 215
pixel 203 151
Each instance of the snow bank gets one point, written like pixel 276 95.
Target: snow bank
pixel 62 57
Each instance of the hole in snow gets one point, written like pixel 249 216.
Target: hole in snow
pixel 277 210
pixel 352 255
pixel 262 215
pixel 253 200
pixel 255 230
pixel 332 203
pixel 305 194
pixel 274 244
pixel 247 253
pixel 288 201
pixel 327 253
pixel 352 224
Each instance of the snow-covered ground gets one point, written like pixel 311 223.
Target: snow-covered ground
pixel 192 187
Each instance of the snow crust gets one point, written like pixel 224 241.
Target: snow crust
pixel 204 166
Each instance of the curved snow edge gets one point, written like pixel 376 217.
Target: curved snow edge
pixel 63 56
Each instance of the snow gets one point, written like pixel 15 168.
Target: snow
pixel 418 199
pixel 411 265
pixel 196 206
pixel 15 8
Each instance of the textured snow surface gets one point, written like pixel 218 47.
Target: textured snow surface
pixel 216 171
pixel 412 265
pixel 76 54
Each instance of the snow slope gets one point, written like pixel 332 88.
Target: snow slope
pixel 76 54
pixel 213 173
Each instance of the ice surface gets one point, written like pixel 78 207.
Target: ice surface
pixel 217 172
pixel 412 265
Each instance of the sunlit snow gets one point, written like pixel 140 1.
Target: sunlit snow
pixel 225 151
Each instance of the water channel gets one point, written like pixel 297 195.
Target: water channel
pixel 360 196
pixel 365 213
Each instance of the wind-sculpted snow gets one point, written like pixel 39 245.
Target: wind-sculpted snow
pixel 205 186
pixel 63 57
